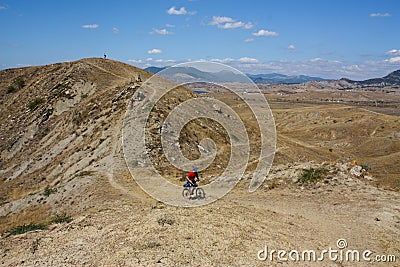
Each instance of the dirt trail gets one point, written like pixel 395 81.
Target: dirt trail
pixel 229 232
pixel 107 71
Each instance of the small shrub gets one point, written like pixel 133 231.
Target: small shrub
pixel 20 83
pixel 48 191
pixel 11 89
pixel 134 163
pixel 272 186
pixel 61 218
pixel 27 228
pixel 79 117
pixel 151 244
pixel 365 166
pixel 34 103
pixel 165 219
pixel 35 245
pixel 311 175
pixel 158 205
pixel 85 173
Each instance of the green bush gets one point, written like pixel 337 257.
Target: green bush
pixel 34 103
pixel 48 191
pixel 273 185
pixel 11 89
pixel 365 166
pixel 20 83
pixel 60 218
pixel 312 175
pixel 27 228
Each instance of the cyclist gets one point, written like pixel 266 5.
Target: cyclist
pixel 191 178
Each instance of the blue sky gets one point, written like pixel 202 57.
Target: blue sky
pixel 357 39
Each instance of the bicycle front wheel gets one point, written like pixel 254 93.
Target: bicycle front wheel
pixel 200 194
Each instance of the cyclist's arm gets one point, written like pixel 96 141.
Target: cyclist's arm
pixel 188 180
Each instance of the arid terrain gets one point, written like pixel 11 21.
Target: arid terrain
pixel 61 155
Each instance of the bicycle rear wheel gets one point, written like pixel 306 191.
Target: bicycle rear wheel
pixel 186 193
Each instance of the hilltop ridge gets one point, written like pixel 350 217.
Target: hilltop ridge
pixel 62 129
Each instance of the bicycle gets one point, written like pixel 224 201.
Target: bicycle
pixel 198 193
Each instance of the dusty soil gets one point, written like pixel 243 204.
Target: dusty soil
pixel 127 228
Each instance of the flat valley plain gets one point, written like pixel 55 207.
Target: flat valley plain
pixel 325 125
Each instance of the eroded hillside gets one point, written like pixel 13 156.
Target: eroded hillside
pixel 61 136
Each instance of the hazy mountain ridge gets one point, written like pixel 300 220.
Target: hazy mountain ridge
pixel 283 79
pixel 228 76
pixel 183 74
pixel 389 83
pixel 392 79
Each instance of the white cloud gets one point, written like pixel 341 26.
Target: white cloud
pixel 161 32
pixel 248 40
pixel 219 20
pixel 291 47
pixel 265 33
pixel 135 60
pixel 223 60
pixel 3 7
pixel 144 63
pixel 230 23
pixel 115 30
pixel 351 68
pixel 154 51
pixel 248 60
pixel 162 60
pixel 316 59
pixel 169 25
pixel 393 52
pixel 236 24
pixel 90 26
pixel 380 15
pixel 181 11
pixel 173 11
pixel 393 60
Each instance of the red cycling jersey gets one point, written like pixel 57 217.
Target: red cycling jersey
pixel 192 176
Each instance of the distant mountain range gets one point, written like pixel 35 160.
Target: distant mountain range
pixel 392 79
pixel 193 74
pixel 185 74
pixel 281 78
pixel 179 74
pixel 154 69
